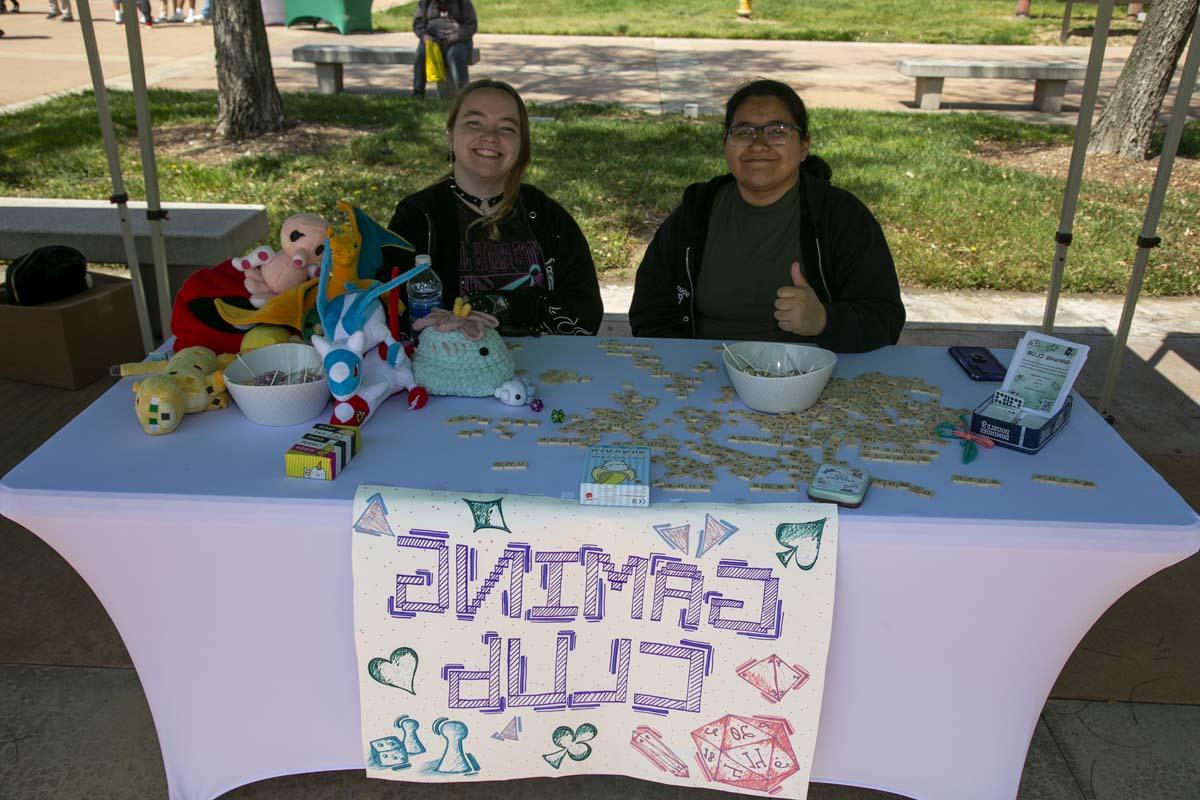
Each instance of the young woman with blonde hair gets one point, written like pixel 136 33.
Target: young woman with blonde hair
pixel 504 245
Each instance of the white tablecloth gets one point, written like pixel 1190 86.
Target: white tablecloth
pixel 230 583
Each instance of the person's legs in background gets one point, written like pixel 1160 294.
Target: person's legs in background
pixel 419 70
pixel 457 56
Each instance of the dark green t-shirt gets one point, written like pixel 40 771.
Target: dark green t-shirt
pixel 748 256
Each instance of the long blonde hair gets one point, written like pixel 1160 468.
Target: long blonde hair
pixel 512 183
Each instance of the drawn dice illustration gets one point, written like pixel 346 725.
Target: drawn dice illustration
pixel 752 753
pixel 388 753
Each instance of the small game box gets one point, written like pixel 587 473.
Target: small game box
pixel 615 475
pixel 998 419
pixel 322 452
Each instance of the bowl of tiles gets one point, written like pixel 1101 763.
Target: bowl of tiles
pixel 282 384
pixel 778 378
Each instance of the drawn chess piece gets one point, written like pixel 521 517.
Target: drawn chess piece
pixel 412 743
pixel 454 761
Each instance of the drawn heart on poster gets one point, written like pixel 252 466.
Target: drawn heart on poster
pixel 573 743
pixel 400 670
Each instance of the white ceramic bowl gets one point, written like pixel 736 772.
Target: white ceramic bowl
pixel 288 404
pixel 777 395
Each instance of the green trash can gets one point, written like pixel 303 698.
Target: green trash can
pixel 348 16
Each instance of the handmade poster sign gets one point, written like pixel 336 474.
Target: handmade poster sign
pixel 516 637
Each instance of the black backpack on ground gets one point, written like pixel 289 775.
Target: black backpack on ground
pixel 45 275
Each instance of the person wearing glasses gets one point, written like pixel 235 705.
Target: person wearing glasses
pixel 771 251
pixel 504 245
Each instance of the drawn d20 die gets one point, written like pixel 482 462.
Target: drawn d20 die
pixel 749 752
pixel 783 762
pixel 731 771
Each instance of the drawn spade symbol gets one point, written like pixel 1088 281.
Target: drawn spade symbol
pixel 802 540
pixel 573 743
pixel 487 514
pixel 398 670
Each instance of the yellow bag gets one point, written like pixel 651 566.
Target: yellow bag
pixel 435 67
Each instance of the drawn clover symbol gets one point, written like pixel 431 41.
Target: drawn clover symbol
pixel 573 743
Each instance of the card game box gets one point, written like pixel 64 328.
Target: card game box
pixel 615 475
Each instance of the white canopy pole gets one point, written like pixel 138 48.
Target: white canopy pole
pixel 119 197
pixel 1083 132
pixel 1147 239
pixel 154 213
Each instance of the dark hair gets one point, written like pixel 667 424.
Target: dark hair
pixel 768 88
pixel 785 94
pixel 512 183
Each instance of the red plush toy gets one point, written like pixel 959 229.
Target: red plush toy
pixel 194 318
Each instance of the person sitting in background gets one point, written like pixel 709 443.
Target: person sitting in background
pixel 508 248
pixel 770 251
pixel 449 24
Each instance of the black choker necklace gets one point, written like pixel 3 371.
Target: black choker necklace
pixel 479 203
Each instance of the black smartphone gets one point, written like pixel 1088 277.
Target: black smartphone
pixel 978 363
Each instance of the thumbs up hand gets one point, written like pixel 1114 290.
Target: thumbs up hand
pixel 797 308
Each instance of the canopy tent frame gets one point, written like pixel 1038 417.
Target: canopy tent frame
pixel 1083 132
pixel 120 198
pixel 1148 238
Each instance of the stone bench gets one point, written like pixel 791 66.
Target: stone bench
pixel 330 58
pixel 1050 77
pixel 195 235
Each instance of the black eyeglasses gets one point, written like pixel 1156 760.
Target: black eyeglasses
pixel 776 134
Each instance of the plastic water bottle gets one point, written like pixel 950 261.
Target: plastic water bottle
pixel 424 291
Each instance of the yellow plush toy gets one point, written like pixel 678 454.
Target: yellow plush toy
pixel 192 380
pixel 265 335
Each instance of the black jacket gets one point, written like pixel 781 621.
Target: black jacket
pixel 845 260
pixel 461 11
pixel 570 303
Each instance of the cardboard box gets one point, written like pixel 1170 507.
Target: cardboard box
pixel 73 342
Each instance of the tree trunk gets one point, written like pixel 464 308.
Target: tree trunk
pixel 248 103
pixel 1131 113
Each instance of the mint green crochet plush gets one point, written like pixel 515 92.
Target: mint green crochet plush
pixel 464 356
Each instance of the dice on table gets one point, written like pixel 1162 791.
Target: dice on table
pixel 557 415
pixel 748 752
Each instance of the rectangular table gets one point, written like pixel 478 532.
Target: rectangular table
pixel 230 584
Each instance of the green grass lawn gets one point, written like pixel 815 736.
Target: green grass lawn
pixel 953 221
pixel 941 21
